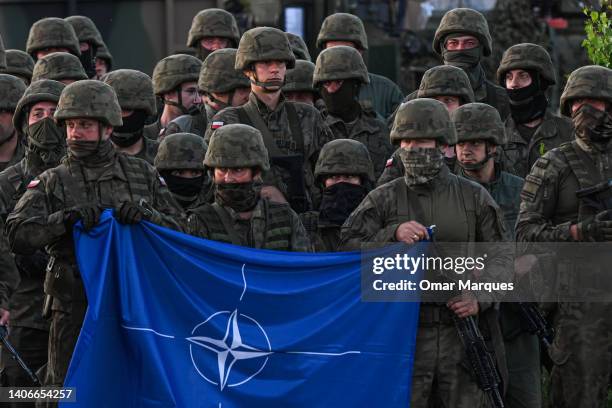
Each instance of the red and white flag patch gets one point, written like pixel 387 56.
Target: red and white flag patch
pixel 389 162
pixel 216 125
pixel 33 183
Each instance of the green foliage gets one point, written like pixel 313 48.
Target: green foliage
pixel 598 28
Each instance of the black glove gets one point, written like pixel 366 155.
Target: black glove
pixel 597 228
pixel 129 213
pixel 88 214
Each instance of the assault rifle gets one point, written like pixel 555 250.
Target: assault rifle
pixel 9 347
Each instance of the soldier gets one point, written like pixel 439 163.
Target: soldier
pixel 298 83
pixel 293 132
pixel 19 64
pixel 49 35
pixel 180 161
pixel 221 86
pixel 12 147
pixel 447 84
pixel 551 212
pixel 339 75
pixel 59 66
pixel 526 71
pixel 46 146
pixel 398 211
pixel 346 174
pixel 299 48
pixel 380 93
pixel 134 91
pixel 93 177
pixel 237 157
pixel 90 40
pixel 462 39
pixel 212 29
pixel 104 61
pixel 175 81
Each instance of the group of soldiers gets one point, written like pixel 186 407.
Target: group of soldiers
pixel 255 145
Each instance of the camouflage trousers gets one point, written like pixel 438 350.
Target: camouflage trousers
pixel 31 344
pixel 441 376
pixel 582 355
pixel 524 373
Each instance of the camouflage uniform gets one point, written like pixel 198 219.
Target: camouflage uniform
pixel 11 90
pixel 181 151
pixel 19 64
pixel 87 32
pixel 299 48
pixel 443 80
pixel 134 91
pixel 52 32
pixel 216 76
pixel 464 21
pixel 380 93
pixel 168 75
pixel 338 157
pixel 520 152
pixel 463 211
pixel 58 66
pixel 45 149
pixel 44 215
pixel 271 225
pixel 343 63
pixel 104 54
pixel 549 207
pixel 212 23
pixel 290 130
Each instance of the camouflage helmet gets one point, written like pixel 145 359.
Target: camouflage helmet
pixel 19 63
pixel 237 145
pixel 44 90
pixel 134 90
pixel 423 118
pixel 298 46
pixel 478 121
pixel 89 99
pixel 446 80
pixel 263 44
pixel 345 156
pixel 343 27
pixel 86 30
pixel 526 56
pixel 591 81
pixel 52 32
pixel 2 55
pixel 341 62
pixel 218 74
pixel 299 79
pixel 58 66
pixel 174 70
pixel 181 151
pixel 11 90
pixel 213 22
pixel 104 54
pixel 464 20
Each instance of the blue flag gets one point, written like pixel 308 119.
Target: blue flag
pixel 178 321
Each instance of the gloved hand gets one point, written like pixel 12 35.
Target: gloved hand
pixel 597 228
pixel 130 213
pixel 88 214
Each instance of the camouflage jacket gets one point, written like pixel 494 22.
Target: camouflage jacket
pixel 148 151
pixel 324 238
pixel 271 226
pixel 190 123
pixel 368 130
pixel 9 275
pixel 17 156
pixel 382 94
pixel 518 155
pixel 153 130
pixel 315 134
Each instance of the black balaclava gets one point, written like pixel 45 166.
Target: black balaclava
pixel 338 202
pixel 343 103
pixel 131 130
pixel 529 103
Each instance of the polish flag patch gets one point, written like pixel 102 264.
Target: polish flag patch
pixel 389 162
pixel 216 125
pixel 33 183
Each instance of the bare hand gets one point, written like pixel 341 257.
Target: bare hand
pixel 411 232
pixel 273 194
pixel 4 317
pixel 524 264
pixel 464 306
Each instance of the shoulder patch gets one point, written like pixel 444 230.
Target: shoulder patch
pixel 216 124
pixel 33 183
pixel 162 181
pixel 389 162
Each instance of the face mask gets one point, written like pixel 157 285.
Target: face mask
pixel 183 186
pixel 464 59
pixel 46 142
pixel 592 125
pixel 132 123
pixel 88 62
pixel 527 104
pixel 202 53
pixel 339 201
pixel 238 196
pixel 6 133
pixel 82 148
pixel 422 164
pixel 343 103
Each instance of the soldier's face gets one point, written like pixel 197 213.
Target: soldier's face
pixel 342 178
pixel 86 130
pixel 67 81
pixel 214 43
pixel 417 143
pixel 6 125
pixel 473 151
pixel 332 86
pixel 40 111
pixel 596 103
pixel 464 42
pixel 241 96
pixel 47 51
pixel 270 70
pixel 223 175
pixel 517 78
pixel 330 44
pixel 451 102
pixel 187 173
pixel 101 67
pixel 190 95
pixel 304 97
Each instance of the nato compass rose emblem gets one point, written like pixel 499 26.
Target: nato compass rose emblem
pixel 244 342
